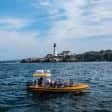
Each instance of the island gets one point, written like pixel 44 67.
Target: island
pixel 68 56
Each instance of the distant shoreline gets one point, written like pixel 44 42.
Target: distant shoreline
pixel 91 56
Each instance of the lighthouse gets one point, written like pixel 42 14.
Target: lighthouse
pixel 54 50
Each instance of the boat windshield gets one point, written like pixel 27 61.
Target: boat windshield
pixel 42 71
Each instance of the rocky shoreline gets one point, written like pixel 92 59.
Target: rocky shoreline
pixel 50 59
pixel 65 56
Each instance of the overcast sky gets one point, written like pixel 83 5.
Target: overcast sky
pixel 28 28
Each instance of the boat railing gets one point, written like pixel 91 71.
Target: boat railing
pixel 53 83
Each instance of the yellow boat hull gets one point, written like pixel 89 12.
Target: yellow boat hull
pixel 73 88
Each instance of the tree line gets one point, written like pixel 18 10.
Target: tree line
pixel 103 55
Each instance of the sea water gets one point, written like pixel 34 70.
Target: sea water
pixel 14 96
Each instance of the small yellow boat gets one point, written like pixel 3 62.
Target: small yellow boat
pixel 39 85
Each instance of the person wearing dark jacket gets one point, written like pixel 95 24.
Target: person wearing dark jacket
pixel 40 81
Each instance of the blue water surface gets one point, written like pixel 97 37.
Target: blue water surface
pixel 14 96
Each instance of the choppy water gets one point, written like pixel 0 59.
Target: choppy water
pixel 15 98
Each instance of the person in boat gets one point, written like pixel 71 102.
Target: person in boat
pixel 60 83
pixel 52 83
pixel 40 81
pixel 48 83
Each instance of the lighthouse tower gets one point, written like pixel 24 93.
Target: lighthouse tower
pixel 54 50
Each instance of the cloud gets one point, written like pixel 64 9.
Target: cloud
pixel 15 45
pixel 83 18
pixel 11 23
pixel 15 41
pixel 45 3
pixel 69 24
pixel 102 9
pixel 73 20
